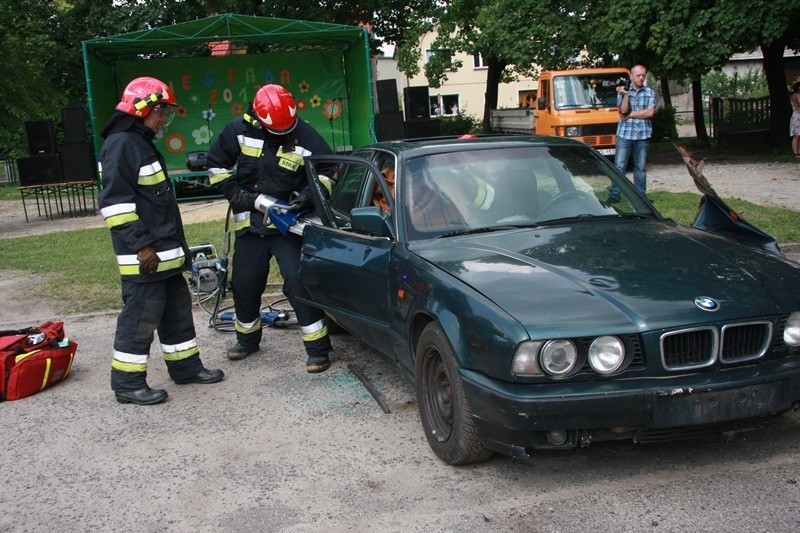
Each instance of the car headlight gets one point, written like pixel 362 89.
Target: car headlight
pixel 558 357
pixel 791 332
pixel 525 359
pixel 606 354
pixel 573 131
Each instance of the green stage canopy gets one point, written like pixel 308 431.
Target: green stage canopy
pixel 216 64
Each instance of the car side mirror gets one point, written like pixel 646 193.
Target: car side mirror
pixel 371 220
pixel 541 103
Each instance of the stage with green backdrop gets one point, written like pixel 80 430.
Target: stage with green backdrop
pixel 215 66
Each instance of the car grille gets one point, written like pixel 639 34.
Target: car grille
pixel 701 347
pixel 742 342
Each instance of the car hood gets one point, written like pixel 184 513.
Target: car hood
pixel 628 275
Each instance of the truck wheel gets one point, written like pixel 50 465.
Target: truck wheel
pixel 446 416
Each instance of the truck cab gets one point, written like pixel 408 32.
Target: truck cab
pixel 580 104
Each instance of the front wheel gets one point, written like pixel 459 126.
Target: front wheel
pixel 446 417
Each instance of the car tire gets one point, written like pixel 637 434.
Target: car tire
pixel 443 408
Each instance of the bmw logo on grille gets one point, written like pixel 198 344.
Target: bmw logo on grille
pixel 706 304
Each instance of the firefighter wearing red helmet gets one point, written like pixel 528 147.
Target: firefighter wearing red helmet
pixel 258 159
pixel 147 234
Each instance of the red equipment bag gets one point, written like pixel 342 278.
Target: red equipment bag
pixel 33 359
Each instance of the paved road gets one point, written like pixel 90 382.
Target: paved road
pixel 274 449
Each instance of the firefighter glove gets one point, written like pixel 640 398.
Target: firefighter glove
pixel 243 200
pixel 300 201
pixel 148 260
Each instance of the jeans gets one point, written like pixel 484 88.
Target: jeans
pixel 639 149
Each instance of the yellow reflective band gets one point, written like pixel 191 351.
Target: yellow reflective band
pixel 249 327
pixel 241 220
pixel 308 337
pixel 118 209
pixel 327 183
pixel 118 220
pixel 177 352
pixel 128 367
pixel 180 354
pixel 22 356
pixel 151 174
pixel 128 268
pixel 69 366
pixel 136 358
pixel 485 195
pixel 46 373
pixel 250 146
pixel 153 179
pixel 289 160
pixel 217 175
pixel 172 264
pixel 480 196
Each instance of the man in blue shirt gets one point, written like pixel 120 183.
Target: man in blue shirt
pixel 637 105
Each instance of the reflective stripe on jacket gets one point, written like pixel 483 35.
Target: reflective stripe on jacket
pixel 138 204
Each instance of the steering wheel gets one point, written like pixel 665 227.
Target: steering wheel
pixel 568 195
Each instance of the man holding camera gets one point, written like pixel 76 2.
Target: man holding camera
pixel 637 105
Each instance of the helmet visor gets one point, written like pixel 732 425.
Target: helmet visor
pixel 167 111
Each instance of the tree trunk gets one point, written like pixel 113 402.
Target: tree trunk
pixel 493 76
pixel 665 92
pixel 699 116
pixel 780 111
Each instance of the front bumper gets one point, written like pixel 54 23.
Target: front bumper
pixel 513 417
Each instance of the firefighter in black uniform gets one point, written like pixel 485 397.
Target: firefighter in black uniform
pixel 139 207
pixel 266 146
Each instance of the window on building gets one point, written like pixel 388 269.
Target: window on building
pixel 445 105
pixel 478 62
pixel 444 53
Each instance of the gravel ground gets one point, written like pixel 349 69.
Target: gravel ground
pixel 272 448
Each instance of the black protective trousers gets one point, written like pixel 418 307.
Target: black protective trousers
pixel 251 261
pixel 164 306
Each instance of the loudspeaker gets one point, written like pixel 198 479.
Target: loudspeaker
pixel 39 170
pixel 431 127
pixel 387 96
pixel 73 121
pixel 77 162
pixel 41 139
pixel 196 161
pixel 389 126
pixel 417 104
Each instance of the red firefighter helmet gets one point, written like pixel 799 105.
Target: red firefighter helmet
pixel 275 108
pixel 141 94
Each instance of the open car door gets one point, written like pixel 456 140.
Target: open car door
pixel 344 261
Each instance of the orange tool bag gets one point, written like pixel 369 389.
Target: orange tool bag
pixel 33 359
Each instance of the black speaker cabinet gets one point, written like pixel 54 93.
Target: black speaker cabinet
pixel 417 104
pixel 73 121
pixel 387 96
pixel 41 137
pixel 389 126
pixel 196 161
pixel 431 127
pixel 39 170
pixel 77 162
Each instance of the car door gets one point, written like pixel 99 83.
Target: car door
pixel 343 266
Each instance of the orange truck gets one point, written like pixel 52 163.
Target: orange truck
pixel 579 103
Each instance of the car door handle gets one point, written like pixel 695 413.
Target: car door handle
pixel 309 250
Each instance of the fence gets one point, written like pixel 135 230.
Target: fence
pixel 8 168
pixel 732 116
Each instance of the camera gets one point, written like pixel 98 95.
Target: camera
pixel 622 82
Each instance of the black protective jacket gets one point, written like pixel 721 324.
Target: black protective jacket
pixel 264 164
pixel 137 200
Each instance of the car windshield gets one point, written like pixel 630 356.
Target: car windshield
pixel 478 190
pixel 586 91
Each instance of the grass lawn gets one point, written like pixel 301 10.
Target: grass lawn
pixel 78 268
